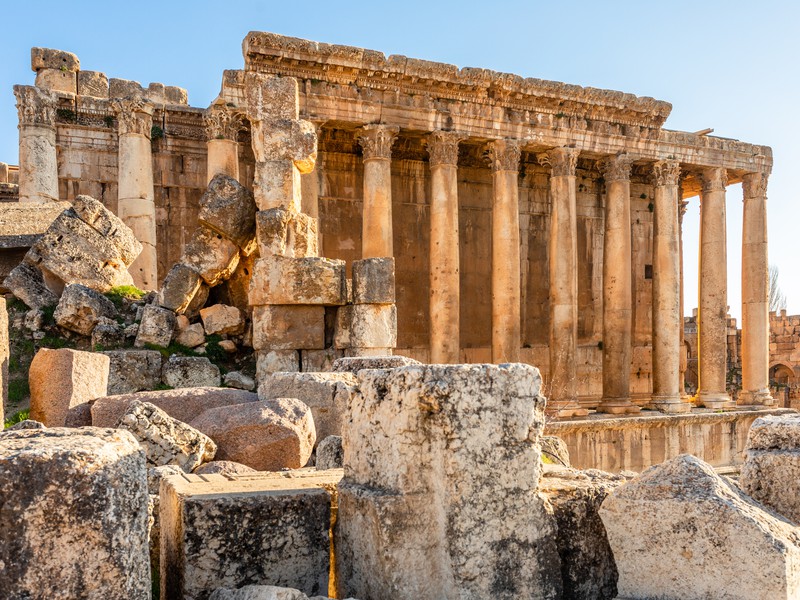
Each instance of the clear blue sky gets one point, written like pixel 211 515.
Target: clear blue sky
pixel 728 65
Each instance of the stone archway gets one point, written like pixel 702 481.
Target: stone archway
pixel 782 382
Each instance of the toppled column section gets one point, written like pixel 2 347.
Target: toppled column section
pixel 38 167
pixel 429 451
pixel 77 527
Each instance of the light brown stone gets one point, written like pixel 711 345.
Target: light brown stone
pixel 286 280
pixel 374 326
pixel 80 308
pixel 157 327
pixel 222 319
pixel 373 281
pixel 286 328
pixel 213 256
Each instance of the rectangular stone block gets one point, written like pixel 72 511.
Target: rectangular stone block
pixel 373 281
pixel 50 58
pixel 227 531
pixel 281 232
pixel 286 280
pixel 278 327
pixel 373 326
pixel 342 327
pixel 92 83
pixel 274 361
pixel 315 361
pixel 277 185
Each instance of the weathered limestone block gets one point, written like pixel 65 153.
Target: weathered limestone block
pixel 227 531
pixel 268 435
pixel 679 530
pixel 275 361
pixel 80 308
pixel 373 281
pixel 303 239
pixel 190 371
pixel 133 371
pixel 199 301
pixel 326 394
pixel 55 80
pixel 166 441
pixel 110 226
pixel 122 88
pixel 180 287
pixel 283 233
pixel 223 467
pixel 64 378
pixel 288 140
pixel 373 326
pixel 319 361
pixel 192 336
pixel 771 469
pixel 156 327
pixel 222 319
pixel 26 282
pixel 555 451
pixel 92 83
pixel 330 454
pixel 79 416
pixel 354 364
pixel 74 515
pixel 228 208
pixel 107 334
pixel 288 327
pixel 236 289
pixel 156 474
pixel 213 256
pixel 49 58
pixel 429 449
pixel 25 424
pixel 238 380
pixel 5 354
pixel 286 280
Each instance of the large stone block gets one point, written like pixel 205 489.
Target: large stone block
pixel 27 283
pixel 679 530
pixel 189 372
pixel 327 394
pixel 180 286
pixel 228 208
pixel 264 528
pixel 318 361
pixel 284 233
pixel 133 371
pixel 354 364
pixel 212 255
pixel 286 328
pixel 156 327
pixel 274 361
pixel 373 281
pixel 49 58
pixel 80 308
pixel 373 326
pixel 276 184
pixel 110 226
pixel 62 379
pixel 222 319
pixel 429 451
pixel 74 520
pixel 287 280
pixel 92 83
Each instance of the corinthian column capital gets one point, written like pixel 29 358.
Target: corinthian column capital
pixel 134 115
pixel 562 161
pixel 714 179
pixel 222 122
pixel 35 106
pixel 616 168
pixel 666 172
pixel 503 155
pixel 376 141
pixel 754 185
pixel 442 147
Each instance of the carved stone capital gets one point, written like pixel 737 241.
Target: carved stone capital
pixel 503 155
pixel 134 115
pixel 754 185
pixel 222 122
pixel 35 106
pixel 562 161
pixel 714 179
pixel 666 172
pixel 376 141
pixel 616 168
pixel 442 147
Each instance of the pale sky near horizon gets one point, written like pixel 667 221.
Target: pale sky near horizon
pixel 727 65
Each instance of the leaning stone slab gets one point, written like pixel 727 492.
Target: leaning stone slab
pixel 190 371
pixel 27 283
pixel 228 208
pixel 110 226
pixel 133 371
pixel 156 327
pixel 80 308
pixel 354 364
pixel 211 255
pixel 180 287
pixel 62 379
pixel 679 530
pixel 166 441
pixel 263 528
pixel 74 515
pixel 222 319
pixel 287 280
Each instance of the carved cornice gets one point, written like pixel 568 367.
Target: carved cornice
pixel 35 106
pixel 503 155
pixel 222 122
pixel 134 115
pixel 714 179
pixel 666 172
pixel 442 147
pixel 754 185
pixel 376 141
pixel 562 161
pixel 616 168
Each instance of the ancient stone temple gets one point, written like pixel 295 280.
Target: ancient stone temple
pixel 529 221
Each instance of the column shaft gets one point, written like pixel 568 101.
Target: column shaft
pixel 38 164
pixel 376 142
pixel 222 129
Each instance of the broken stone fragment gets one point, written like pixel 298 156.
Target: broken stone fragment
pixel 180 287
pixel 222 319
pixel 262 592
pixel 133 371
pixel 223 467
pixel 228 346
pixel 373 326
pixel 238 380
pixel 286 328
pixel 93 83
pixel 342 326
pixel 80 308
pixel 156 327
pixel 60 60
pixel 330 454
pixel 190 371
pixel 26 282
pixel 286 280
pixel 228 208
pixel 373 281
pixel 320 361
pixel 555 450
pixel 211 255
pixel 107 334
pixel 192 336
pixel 166 441
pixel 156 474
pixel 354 364
pixel 25 424
pixel 96 215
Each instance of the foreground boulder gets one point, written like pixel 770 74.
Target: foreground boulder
pixel 133 370
pixel 80 308
pixel 354 364
pixel 74 518
pixel 680 531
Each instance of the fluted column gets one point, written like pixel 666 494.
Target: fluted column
pixel 38 165
pixel 504 157
pixel 136 206
pixel 667 319
pixel 444 257
pixel 617 298
pixel 712 313
pixel 376 142
pixel 755 293
pixel 222 128
pixel 563 399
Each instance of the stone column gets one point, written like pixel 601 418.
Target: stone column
pixel 38 167
pixel 136 206
pixel 376 142
pixel 667 319
pixel 755 293
pixel 222 128
pixel 617 296
pixel 444 256
pixel 712 314
pixel 563 399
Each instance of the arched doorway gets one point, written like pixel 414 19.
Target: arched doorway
pixel 781 381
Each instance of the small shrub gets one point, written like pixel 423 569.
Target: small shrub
pixel 118 295
pixel 17 417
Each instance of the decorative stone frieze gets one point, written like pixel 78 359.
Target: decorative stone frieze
pixel 222 122
pixel 714 180
pixel 35 106
pixel 754 185
pixel 666 172
pixel 616 168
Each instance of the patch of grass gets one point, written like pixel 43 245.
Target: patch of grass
pixel 119 294
pixel 163 386
pixel 49 313
pixel 17 417
pixel 173 348
pixel 16 304
pixel 18 390
pixel 55 343
pixel 215 353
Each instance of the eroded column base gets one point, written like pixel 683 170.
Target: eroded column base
pixel 756 398
pixel 670 404
pixel 715 401
pixel 618 406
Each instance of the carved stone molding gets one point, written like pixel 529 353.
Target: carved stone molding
pixel 222 122
pixel 442 147
pixel 666 172
pixel 35 106
pixel 754 185
pixel 562 161
pixel 503 155
pixel 616 168
pixel 714 179
pixel 376 141
pixel 134 115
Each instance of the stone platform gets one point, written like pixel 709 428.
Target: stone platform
pixel 634 443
